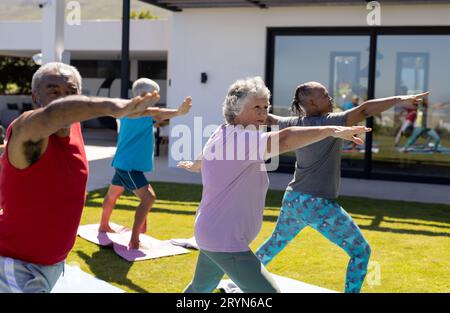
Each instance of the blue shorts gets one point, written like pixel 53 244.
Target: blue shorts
pixel 130 180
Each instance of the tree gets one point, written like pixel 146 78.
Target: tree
pixel 16 74
pixel 143 15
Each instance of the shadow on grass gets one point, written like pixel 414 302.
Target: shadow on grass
pixel 164 191
pixel 106 266
pixel 374 226
pixel 406 231
pixel 155 209
pixel 400 213
pixel 132 207
pixel 378 211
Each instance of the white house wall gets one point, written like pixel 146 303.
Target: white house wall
pixel 107 36
pixel 90 38
pixel 20 36
pixel 229 44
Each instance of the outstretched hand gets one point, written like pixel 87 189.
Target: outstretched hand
pixel 414 99
pixel 137 105
pixel 185 106
pixel 350 133
pixel 188 166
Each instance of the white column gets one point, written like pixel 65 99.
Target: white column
pixel 133 70
pixel 52 30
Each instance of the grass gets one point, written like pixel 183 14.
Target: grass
pixel 410 244
pixel 389 153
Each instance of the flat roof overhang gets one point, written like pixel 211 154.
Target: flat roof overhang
pixel 179 5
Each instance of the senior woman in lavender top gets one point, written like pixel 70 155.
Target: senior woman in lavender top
pixel 235 183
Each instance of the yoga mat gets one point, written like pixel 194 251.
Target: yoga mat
pixel 189 243
pixel 77 281
pixel 426 150
pixel 151 247
pixel 286 285
pixel 90 232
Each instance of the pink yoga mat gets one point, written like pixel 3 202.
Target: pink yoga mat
pixel 151 247
pixel 90 232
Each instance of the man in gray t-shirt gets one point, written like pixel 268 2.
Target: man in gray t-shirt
pixel 319 162
pixel 309 199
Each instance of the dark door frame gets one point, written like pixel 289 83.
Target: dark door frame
pixel 373 32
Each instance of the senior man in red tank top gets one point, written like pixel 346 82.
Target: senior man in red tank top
pixel 43 176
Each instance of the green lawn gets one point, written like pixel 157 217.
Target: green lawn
pixel 389 153
pixel 410 244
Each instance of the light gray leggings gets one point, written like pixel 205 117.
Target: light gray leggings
pixel 18 276
pixel 243 268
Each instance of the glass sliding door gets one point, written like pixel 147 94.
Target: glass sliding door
pixel 340 63
pixel 413 141
pixel 410 143
pixel 345 77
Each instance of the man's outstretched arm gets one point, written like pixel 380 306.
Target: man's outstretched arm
pixel 295 137
pixel 43 122
pixel 376 106
pixel 31 130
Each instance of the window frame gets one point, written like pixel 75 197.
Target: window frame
pixel 286 163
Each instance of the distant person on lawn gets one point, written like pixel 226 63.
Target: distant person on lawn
pixel 134 156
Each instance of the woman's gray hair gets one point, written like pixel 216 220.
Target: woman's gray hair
pixel 239 93
pixel 143 85
pixel 55 67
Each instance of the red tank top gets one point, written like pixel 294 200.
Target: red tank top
pixel 42 204
pixel 411 115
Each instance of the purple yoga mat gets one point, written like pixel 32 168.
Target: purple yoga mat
pixel 151 247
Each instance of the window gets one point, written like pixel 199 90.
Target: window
pixel 340 72
pixel 98 68
pixel 413 142
pixel 410 144
pixel 412 73
pixel 345 78
pixel 156 70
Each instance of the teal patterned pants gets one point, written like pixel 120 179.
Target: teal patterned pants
pixel 330 219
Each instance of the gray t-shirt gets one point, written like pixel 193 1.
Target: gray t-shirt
pixel 317 166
